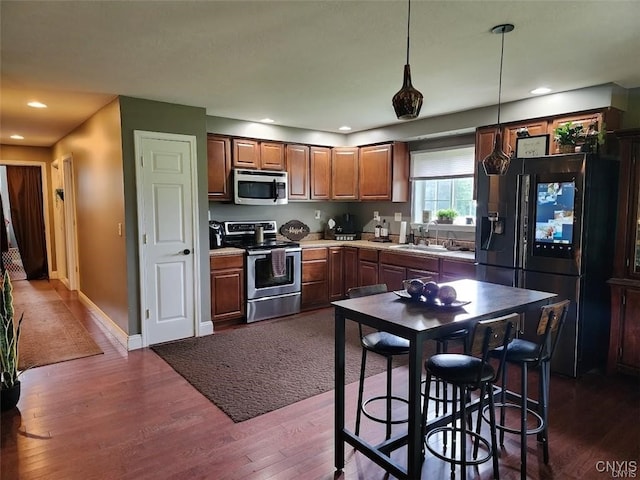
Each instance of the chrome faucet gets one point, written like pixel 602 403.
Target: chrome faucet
pixel 433 222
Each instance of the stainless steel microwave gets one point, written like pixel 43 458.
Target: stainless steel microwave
pixel 260 187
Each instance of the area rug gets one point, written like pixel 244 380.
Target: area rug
pixel 262 367
pixel 50 332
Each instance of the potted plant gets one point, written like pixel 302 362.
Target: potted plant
pixel 593 139
pixel 567 136
pixel 446 215
pixel 9 353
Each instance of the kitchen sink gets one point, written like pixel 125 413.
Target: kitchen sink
pixel 420 248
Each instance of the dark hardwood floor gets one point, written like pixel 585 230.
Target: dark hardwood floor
pixel 128 415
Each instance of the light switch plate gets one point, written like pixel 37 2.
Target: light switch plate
pixel 398 217
pixel 317 215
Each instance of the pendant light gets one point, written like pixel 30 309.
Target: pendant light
pixel 408 101
pixel 497 162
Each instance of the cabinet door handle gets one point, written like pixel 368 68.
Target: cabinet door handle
pixel 186 251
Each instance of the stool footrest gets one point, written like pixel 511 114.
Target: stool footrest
pixel 499 426
pixel 383 420
pixel 454 458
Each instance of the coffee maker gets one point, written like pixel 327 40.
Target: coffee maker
pixel 215 234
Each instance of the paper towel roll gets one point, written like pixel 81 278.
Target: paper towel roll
pixel 403 233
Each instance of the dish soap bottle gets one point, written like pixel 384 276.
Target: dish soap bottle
pixel 384 230
pixel 377 230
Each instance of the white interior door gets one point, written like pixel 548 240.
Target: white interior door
pixel 167 213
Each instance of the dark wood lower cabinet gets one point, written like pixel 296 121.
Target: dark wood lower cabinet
pixel 329 273
pixel 451 270
pixel 350 268
pixel 394 268
pixel 227 290
pixel 392 276
pixel 336 273
pixel 624 338
pixel 367 267
pixel 315 287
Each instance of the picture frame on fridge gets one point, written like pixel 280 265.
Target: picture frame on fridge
pixel 534 146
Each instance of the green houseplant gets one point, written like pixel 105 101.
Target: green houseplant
pixel 568 135
pixel 9 352
pixel 446 215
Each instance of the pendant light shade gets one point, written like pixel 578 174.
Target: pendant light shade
pixel 497 162
pixel 408 101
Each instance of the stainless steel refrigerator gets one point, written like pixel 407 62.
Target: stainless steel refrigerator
pixel 549 224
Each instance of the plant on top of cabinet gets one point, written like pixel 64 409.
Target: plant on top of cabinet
pixel 568 135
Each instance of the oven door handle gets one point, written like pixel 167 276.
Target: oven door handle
pixel 263 253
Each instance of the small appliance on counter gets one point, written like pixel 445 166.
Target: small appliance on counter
pixel 215 234
pixel 341 229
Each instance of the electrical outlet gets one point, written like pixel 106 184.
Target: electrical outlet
pixel 318 214
pixel 376 216
pixel 398 217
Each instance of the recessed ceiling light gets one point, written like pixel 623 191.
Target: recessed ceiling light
pixel 267 120
pixel 17 137
pixel 540 90
pixel 345 128
pixel 37 105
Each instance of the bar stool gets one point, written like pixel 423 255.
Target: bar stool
pixel 527 355
pixel 442 346
pixel 469 372
pixel 387 345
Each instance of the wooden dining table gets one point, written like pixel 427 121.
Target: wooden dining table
pixel 417 322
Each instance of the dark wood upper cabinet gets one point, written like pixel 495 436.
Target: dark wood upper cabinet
pixel 485 140
pixel 401 161
pixel 271 156
pixel 219 167
pixel 297 160
pixel 344 173
pixel 320 167
pixel 510 134
pixel 246 153
pixel 374 172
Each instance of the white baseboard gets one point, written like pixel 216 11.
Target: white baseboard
pixel 205 328
pixel 130 342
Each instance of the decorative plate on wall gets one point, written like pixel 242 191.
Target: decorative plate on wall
pixel 294 230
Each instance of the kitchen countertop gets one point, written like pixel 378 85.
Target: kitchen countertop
pixel 454 254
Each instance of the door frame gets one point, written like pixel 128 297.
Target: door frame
pixel 70 222
pixel 139 136
pixel 45 201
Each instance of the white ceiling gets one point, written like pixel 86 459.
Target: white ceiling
pixel 305 63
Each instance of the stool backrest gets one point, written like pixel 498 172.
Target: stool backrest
pixel 491 334
pixel 364 291
pixel 552 319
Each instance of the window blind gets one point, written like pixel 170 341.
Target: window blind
pixel 441 163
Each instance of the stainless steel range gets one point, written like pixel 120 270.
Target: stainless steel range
pixel 273 269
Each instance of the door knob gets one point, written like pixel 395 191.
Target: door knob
pixel 186 251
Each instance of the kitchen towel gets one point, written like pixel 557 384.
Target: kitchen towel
pixel 279 262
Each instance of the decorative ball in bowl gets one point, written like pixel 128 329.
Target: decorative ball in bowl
pixel 447 294
pixel 430 291
pixel 414 288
